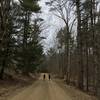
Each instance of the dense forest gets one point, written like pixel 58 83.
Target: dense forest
pixel 20 47
pixel 75 56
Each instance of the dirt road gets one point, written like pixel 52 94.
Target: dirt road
pixel 43 90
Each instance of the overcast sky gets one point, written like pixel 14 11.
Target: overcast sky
pixel 53 23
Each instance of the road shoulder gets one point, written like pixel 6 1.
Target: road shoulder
pixel 73 92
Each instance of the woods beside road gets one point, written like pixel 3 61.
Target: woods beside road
pixel 29 44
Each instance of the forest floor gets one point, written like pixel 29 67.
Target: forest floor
pixel 12 85
pixel 49 90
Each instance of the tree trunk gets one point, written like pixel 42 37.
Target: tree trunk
pixel 2 69
pixel 4 12
pixel 79 45
pixel 98 81
pixel 87 69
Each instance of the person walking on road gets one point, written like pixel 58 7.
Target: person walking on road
pixel 44 77
pixel 49 77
